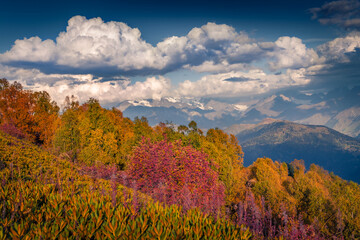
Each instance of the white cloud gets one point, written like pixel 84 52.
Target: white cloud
pixel 255 81
pixel 33 76
pixel 32 49
pixel 290 52
pixel 215 32
pixel 84 86
pixel 236 63
pixel 90 45
pixel 336 49
pixel 110 92
pixel 212 44
pixel 223 66
pixel 93 42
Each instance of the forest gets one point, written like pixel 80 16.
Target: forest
pixel 85 172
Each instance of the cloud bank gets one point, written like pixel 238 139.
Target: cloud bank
pixel 84 86
pixel 93 58
pixel 91 45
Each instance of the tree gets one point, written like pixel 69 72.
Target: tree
pixel 31 114
pixel 193 126
pixel 228 157
pixel 3 84
pixel 67 136
pixel 46 116
pixel 183 129
pixel 17 107
pixel 142 129
pixel 269 184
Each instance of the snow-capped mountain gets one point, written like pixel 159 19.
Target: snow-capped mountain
pixel 338 109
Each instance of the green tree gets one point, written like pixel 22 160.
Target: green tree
pixel 67 136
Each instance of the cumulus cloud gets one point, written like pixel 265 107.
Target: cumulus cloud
pixel 32 50
pixel 291 52
pixel 343 13
pixel 88 44
pixel 93 58
pixel 92 46
pixel 337 49
pixel 113 48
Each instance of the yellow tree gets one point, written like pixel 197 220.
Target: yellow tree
pixel 67 135
pixel 228 157
pixel 267 180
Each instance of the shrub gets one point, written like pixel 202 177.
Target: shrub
pixel 176 174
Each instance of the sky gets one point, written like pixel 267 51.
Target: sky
pixel 130 50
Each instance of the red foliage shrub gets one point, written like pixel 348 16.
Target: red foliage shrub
pixel 176 174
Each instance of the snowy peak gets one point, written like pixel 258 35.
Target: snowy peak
pixel 327 109
pixel 144 103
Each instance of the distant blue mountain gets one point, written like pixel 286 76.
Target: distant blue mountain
pixel 286 141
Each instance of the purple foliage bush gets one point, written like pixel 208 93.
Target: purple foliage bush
pixel 262 222
pixel 176 174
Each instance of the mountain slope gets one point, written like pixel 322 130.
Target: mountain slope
pixel 286 141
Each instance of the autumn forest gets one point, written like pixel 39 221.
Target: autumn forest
pixel 80 171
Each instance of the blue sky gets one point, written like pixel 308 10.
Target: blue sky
pixel 153 49
pixel 160 19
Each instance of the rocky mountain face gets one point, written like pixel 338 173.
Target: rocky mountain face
pixel 286 141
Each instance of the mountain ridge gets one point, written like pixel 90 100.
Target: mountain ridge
pixel 330 109
pixel 286 141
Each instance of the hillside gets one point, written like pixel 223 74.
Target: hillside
pixel 90 173
pixel 51 198
pixel 286 141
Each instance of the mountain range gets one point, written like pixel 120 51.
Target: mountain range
pixel 285 141
pixel 318 127
pixel 338 109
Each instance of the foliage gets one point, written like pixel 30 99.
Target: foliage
pixel 43 196
pixel 67 135
pixel 27 114
pixel 318 198
pixel 95 174
pixel 269 177
pixel 92 135
pixel 228 156
pixel 260 219
pixel 176 174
